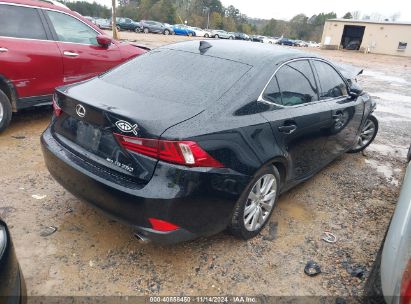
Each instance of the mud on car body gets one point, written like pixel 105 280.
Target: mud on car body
pixel 235 125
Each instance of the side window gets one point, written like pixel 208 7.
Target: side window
pixel 296 82
pixel 331 83
pixel 14 21
pixel 272 92
pixel 69 29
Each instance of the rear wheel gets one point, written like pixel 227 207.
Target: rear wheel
pixel 167 32
pixel 367 135
pixel 190 34
pixel 216 37
pixel 5 111
pixel 206 35
pixel 255 205
pixel 231 37
pixel 137 30
pixel 373 288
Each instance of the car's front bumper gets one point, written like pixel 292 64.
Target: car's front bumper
pixel 199 200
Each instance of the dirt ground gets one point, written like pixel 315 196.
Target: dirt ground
pixel 89 254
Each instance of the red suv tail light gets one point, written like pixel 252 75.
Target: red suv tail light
pixel 57 110
pixel 187 153
pixel 161 225
pixel 405 294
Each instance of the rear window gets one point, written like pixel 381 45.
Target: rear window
pixel 21 22
pixel 177 76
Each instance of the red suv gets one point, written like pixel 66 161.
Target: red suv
pixel 43 46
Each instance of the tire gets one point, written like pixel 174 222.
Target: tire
pixel 190 34
pixel 118 29
pixel 5 111
pixel 216 37
pixel 360 145
pixel 231 38
pixel 206 36
pixel 373 288
pixel 166 32
pixel 137 30
pixel 237 225
pixel 146 30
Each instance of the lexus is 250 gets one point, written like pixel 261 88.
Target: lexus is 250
pixel 196 137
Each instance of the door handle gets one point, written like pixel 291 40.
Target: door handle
pixel 70 54
pixel 288 129
pixel 3 50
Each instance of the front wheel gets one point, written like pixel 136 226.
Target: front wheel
pixel 166 32
pixel 255 205
pixel 231 37
pixel 137 30
pixel 146 30
pixel 367 135
pixel 5 111
pixel 216 37
pixel 190 34
pixel 206 35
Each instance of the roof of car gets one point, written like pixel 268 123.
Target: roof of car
pixel 241 51
pixel 37 3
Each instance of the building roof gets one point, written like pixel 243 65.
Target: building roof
pixel 367 21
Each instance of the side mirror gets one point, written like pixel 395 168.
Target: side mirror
pixel 354 90
pixel 104 41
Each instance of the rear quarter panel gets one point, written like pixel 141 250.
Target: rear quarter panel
pixel 397 247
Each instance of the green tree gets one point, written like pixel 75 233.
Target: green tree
pixel 347 15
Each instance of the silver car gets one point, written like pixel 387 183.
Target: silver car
pixel 222 34
pixel 390 278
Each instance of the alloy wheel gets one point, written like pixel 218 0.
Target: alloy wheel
pixel 260 201
pixel 366 135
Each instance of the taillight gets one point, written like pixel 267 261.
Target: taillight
pixel 187 153
pixel 405 294
pixel 56 108
pixel 161 225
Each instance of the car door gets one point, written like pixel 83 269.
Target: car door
pixel 83 57
pixel 347 112
pixel 301 120
pixel 29 58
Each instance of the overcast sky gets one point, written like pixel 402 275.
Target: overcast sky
pixel 268 9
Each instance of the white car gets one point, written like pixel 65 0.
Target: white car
pixel 270 40
pixel 313 44
pixel 200 32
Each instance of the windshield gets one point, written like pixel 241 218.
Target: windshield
pixel 177 76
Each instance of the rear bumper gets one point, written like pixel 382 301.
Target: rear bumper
pixel 199 200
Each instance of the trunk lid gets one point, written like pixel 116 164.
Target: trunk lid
pixel 93 111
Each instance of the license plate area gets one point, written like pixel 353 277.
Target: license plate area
pixel 88 136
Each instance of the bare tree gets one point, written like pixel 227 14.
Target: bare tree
pixel 356 15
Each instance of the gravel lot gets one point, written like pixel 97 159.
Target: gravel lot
pixel 89 254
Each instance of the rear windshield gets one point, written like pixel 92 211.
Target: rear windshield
pixel 178 76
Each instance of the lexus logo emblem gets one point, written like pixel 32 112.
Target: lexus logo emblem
pixel 80 110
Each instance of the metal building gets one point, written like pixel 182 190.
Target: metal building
pixel 391 38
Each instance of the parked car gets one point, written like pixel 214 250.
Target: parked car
pixel 390 277
pixel 12 285
pixel 241 36
pixel 91 19
pixel 256 38
pixel 150 26
pixel 300 43
pixel 181 29
pixel 313 44
pixel 269 40
pixel 286 41
pixel 353 45
pixel 200 32
pixel 183 160
pixel 126 24
pixel 103 24
pixel 59 47
pixel 220 34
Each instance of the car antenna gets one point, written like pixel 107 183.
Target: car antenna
pixel 204 46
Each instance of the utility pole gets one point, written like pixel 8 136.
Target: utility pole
pixel 114 20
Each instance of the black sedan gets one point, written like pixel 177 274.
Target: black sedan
pixel 12 286
pixel 230 127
